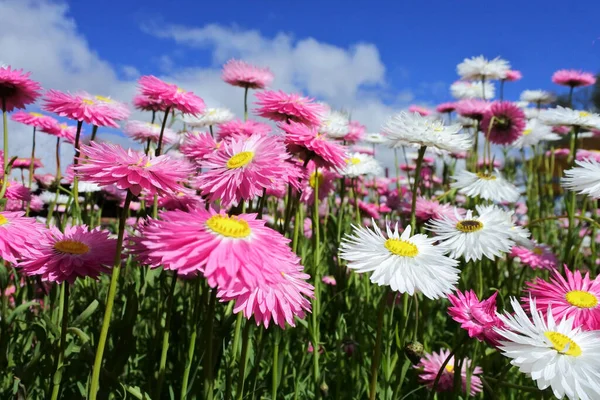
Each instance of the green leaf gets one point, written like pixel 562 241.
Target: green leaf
pixel 86 313
pixel 23 307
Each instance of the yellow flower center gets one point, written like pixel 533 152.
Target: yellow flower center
pixel 316 178
pixel 469 226
pixel 35 114
pixel 450 368
pixel 104 99
pixel 240 159
pixel 538 250
pixel 232 227
pixel 353 161
pixel 401 248
pixel 584 114
pixel 87 101
pixel 63 126
pixel 581 299
pixel 180 90
pixel 486 176
pixel 140 161
pixel 527 132
pixel 3 220
pixel 563 344
pixel 71 247
pixel 439 129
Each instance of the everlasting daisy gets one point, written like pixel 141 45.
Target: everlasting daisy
pixel 473 90
pixel 25 163
pixel 185 200
pixel 143 131
pixel 374 138
pixel 356 132
pixel 107 164
pixel 83 107
pixel 427 209
pixel 19 236
pixel 575 297
pixel 446 107
pixel 430 365
pixel 62 131
pixel 479 68
pixel 34 119
pixel 199 145
pixel 16 191
pixel 240 73
pixel 562 116
pixel 419 110
pixel 537 96
pixel 573 78
pixel 16 89
pixel 406 263
pixel 334 124
pixel 534 133
pixel 281 106
pixel 145 103
pixel 171 96
pixel 584 178
pixel 474 237
pixel 474 109
pixel 488 186
pixel 553 353
pixel 477 317
pixel 540 256
pixel 414 130
pixel 210 116
pixel 503 123
pixel 78 252
pixel 512 75
pixel 358 164
pixel 247 128
pixel 323 177
pixel 309 145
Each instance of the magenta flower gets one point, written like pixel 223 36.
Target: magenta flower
pixel 540 257
pixel 16 191
pixel 430 365
pixel 419 110
pixel 63 131
pixel 309 145
pixel 145 103
pixel 19 236
pixel 171 96
pixel 472 108
pixel 16 89
pixel 427 209
pixel 242 128
pixel 503 122
pixel 280 106
pixel 574 297
pixel 144 131
pixel 25 163
pixel 34 119
pixel 329 280
pixel 98 110
pixel 185 200
pixel 106 164
pixel 356 132
pixel 573 78
pixel 323 177
pixel 198 146
pixel 78 252
pixel 478 318
pixel 446 107
pixel 513 75
pixel 240 73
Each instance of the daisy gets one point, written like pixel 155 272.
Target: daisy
pixel 555 354
pixel 25 163
pixel 480 68
pixel 356 132
pixel 503 123
pixel 414 130
pixel 573 78
pixel 427 209
pixel 241 168
pixel 19 236
pixel 474 237
pixel 406 264
pixel 472 90
pixel 534 133
pixel 568 117
pixel 242 128
pixel 309 145
pixel 538 257
pixel 446 107
pixel 334 124
pixel 575 297
pixel 358 164
pixel 240 73
pixel 281 106
pixel 62 131
pixel 145 103
pixel 143 131
pixel 322 177
pixel 375 138
pixel 171 96
pixel 106 164
pixel 82 107
pixel 78 252
pixel 430 365
pixel 16 89
pixel 16 191
pixel 537 96
pixel 198 146
pixel 477 317
pixel 472 108
pixel 512 75
pixel 51 197
pixel 34 119
pixel 185 200
pixel 584 178
pixel 419 110
pixel 488 186
pixel 210 116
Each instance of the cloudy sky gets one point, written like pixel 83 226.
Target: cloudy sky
pixel 371 58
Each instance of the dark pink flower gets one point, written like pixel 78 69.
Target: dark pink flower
pixel 170 95
pixel 281 106
pixel 242 128
pixel 309 145
pixel 16 89
pixel 240 73
pixel 446 107
pixel 513 75
pixel 477 317
pixel 504 122
pixel 573 78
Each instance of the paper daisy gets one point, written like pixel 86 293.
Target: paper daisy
pixel 488 186
pixel 478 68
pixel 584 178
pixel 358 164
pixel 430 365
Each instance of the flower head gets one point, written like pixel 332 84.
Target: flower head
pixel 419 110
pixel 488 186
pixel 334 124
pixel 446 107
pixel 281 106
pixel 537 96
pixel 170 96
pixel 359 164
pixel 573 78
pixel 475 109
pixel 540 256
pixel 427 209
pixel 503 123
pixel 512 75
pixel 563 116
pixel 473 90
pixel 94 110
pixel 431 364
pixel 34 119
pixel 145 103
pixel 240 73
pixel 477 317
pixel 309 145
pixel 356 132
pixel 19 236
pixel 16 88
pixel 199 145
pixel 584 178
pixel 479 68
pixel 238 127
pixel 144 131
pixel 534 133
pixel 210 116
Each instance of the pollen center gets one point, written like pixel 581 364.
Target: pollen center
pixel 3 220
pixel 354 161
pixel 240 159
pixel 584 114
pixel 527 132
pixel 450 368
pixel 87 101
pixel 401 248
pixel 316 178
pixel 581 299
pixel 469 226
pixel 71 247
pixel 104 99
pixel 563 344
pixel 35 114
pixel 232 227
pixel 486 176
pixel 538 250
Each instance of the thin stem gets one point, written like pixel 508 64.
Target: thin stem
pixel 5 148
pixel 193 336
pixel 246 103
pixel 162 131
pixel 243 361
pixel 356 206
pixel 275 377
pixel 58 171
pixel 413 217
pixel 64 304
pixel 443 366
pixel 208 362
pixel 377 350
pixel 94 133
pixel 75 189
pixel 110 300
pixel 571 97
pixel 317 281
pixel 166 333
pixel 234 351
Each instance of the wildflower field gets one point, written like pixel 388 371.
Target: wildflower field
pixel 273 255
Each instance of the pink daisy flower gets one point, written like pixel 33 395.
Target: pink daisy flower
pixel 170 95
pixel 575 297
pixel 63 131
pixel 144 131
pixel 496 163
pixel 242 128
pixel 430 365
pixel 25 163
pixel 427 209
pixel 241 168
pixel 145 103
pixel 561 129
pixel 78 252
pixel 325 179
pixel 309 145
pixel 19 236
pixel 281 106
pixel 478 318
pixel 198 146
pixel 184 200
pixel 106 164
pixel 84 107
pixel 472 108
pixel 446 107
pixel 329 280
pixel 45 180
pixel 540 257
pixel 419 110
pixel 16 191
pixel 34 119
pixel 507 122
pixel 513 75
pixel 16 89
pixel 356 132
pixel 363 150
pixel 573 78
pixel 240 73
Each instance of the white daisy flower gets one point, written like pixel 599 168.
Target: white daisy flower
pixel 531 113
pixel 407 264
pixel 473 90
pixel 466 122
pixel 87 187
pixel 212 116
pixel 537 96
pixel 479 68
pixel 584 178
pixel 49 197
pixel 334 124
pixel 568 117
pixel 414 130
pixel 375 138
pixel 521 104
pixel 488 186
pixel 518 234
pixel 488 234
pixel 534 133
pixel 358 164
pixel 553 353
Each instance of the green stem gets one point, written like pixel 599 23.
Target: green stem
pixel 275 378
pixel 192 344
pixel 443 366
pixel 246 103
pixel 5 148
pixel 64 304
pixel 75 189
pixel 417 178
pixel 317 281
pixel 233 355
pixel 110 300
pixel 243 361
pixel 377 350
pixel 209 381
pixel 356 206
pixel 166 333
